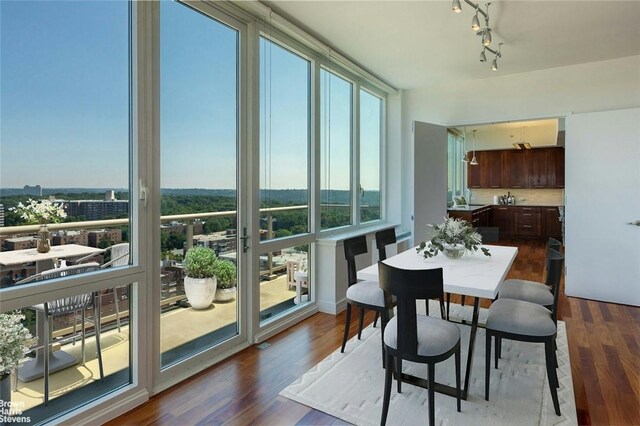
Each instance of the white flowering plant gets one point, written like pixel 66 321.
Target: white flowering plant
pixel 40 211
pixel 452 231
pixel 14 342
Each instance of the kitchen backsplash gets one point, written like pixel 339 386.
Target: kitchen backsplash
pixel 524 197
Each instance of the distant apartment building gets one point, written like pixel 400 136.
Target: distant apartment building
pixel 70 237
pixel 181 228
pixel 19 243
pixel 33 190
pixel 220 242
pixel 114 236
pixel 97 209
pixel 1 215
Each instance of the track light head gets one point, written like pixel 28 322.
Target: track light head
pixel 483 57
pixel 486 37
pixel 475 22
pixel 494 65
pixel 456 6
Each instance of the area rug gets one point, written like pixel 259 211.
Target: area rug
pixel 350 385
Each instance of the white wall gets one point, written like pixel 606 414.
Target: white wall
pixel 430 178
pixel 602 195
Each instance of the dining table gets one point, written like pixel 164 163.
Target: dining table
pixel 474 275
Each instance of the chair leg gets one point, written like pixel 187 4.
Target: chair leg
pixel 487 366
pixel 551 375
pixel 462 301
pixel 347 324
pixel 97 327
pixel 47 334
pixel 498 350
pixel 431 368
pixel 360 323
pixel 448 304
pixel 387 389
pixel 83 331
pixel 426 306
pixel 442 312
pixel 116 300
pixel 458 391
pixel 399 373
pixel 375 320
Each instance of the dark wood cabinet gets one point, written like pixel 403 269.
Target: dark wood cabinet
pixel 558 178
pixel 528 222
pixel 491 169
pixel 503 217
pixel 514 169
pixel 534 168
pixel 539 168
pixel 478 217
pixel 552 224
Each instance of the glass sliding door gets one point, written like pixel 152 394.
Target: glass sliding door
pixel 199 183
pixel 285 105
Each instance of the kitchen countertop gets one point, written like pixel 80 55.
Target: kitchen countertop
pixel 469 208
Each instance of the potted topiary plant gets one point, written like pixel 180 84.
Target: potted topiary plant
pixel 200 278
pixel 226 277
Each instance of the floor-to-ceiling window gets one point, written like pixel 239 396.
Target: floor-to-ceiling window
pixel 65 162
pixel 336 136
pixel 456 164
pixel 371 128
pixel 199 177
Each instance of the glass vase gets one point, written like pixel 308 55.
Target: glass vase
pixel 43 244
pixel 454 251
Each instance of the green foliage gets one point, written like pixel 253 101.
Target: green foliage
pixel 200 262
pixel 452 231
pixel 226 274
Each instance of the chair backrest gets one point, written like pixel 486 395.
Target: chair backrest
pixel 72 303
pixel 119 255
pixel 552 243
pixel 352 248
pixel 292 267
pixel 383 239
pixel 555 269
pixel 408 285
pixel 490 234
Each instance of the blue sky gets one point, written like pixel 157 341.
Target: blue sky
pixel 65 101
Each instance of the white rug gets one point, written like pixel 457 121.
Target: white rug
pixel 350 385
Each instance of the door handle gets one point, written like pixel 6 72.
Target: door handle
pixel 635 222
pixel 244 239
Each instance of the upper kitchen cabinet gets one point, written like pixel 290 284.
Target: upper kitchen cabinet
pixel 559 168
pixel 538 162
pixel 474 173
pixel 514 169
pixel 491 170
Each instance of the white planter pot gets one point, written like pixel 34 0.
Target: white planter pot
pixel 225 294
pixel 200 291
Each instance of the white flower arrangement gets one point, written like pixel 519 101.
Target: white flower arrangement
pixel 452 232
pixel 14 342
pixel 40 211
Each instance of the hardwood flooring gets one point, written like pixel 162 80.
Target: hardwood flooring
pixel 604 346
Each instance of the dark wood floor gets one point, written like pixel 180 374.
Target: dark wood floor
pixel 604 346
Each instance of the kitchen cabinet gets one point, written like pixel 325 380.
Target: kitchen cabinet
pixel 528 222
pixel 491 169
pixel 503 217
pixel 552 224
pixel 514 169
pixel 534 168
pixel 538 167
pixel 476 216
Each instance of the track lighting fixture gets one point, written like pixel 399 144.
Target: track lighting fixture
pixel 474 160
pixel 484 32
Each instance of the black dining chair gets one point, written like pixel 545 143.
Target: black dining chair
pixel 383 239
pixel 362 294
pixel 528 322
pixel 413 337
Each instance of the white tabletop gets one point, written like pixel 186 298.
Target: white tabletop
pixel 474 274
pixel 17 257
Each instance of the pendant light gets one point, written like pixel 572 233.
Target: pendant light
pixel 474 160
pixel 475 22
pixel 464 147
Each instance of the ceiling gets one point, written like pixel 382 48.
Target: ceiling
pixel 417 44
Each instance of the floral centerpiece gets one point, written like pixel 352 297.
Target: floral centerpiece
pixel 42 212
pixel 453 238
pixel 14 345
